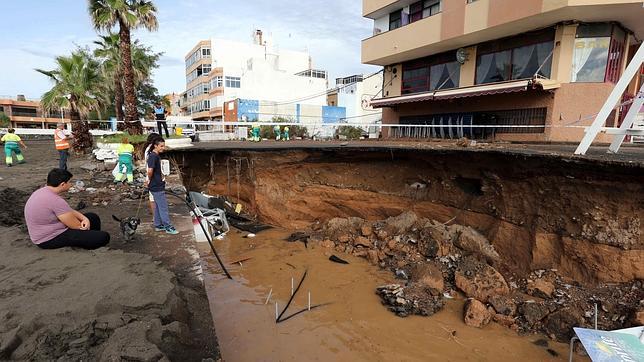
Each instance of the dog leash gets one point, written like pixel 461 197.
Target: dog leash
pixel 138 209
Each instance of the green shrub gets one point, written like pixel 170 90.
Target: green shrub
pixel 294 131
pixel 350 132
pixel 5 121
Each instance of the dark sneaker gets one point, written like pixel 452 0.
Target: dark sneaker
pixel 171 230
pixel 159 228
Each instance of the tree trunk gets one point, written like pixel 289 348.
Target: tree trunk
pixel 119 97
pixel 131 113
pixel 83 140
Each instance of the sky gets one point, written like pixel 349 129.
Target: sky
pixel 34 32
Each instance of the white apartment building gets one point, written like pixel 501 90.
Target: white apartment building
pixel 219 71
pixel 355 93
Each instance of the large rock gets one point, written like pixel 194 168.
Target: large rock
pixel 560 324
pixel 479 280
pixel 362 241
pixel 429 275
pixel 342 226
pixel 533 312
pixel 503 305
pixel 475 314
pixel 541 288
pixel 401 223
pixel 472 241
pixel 435 239
pixel 638 318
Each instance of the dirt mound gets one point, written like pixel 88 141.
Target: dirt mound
pixel 12 211
pixel 129 315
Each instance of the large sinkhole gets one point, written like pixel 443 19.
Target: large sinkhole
pixel 540 212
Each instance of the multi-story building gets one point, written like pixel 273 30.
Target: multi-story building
pixel 219 71
pixel 27 113
pixel 354 93
pixel 549 63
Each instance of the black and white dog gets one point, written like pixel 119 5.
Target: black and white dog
pixel 128 226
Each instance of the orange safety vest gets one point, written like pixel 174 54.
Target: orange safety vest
pixel 61 143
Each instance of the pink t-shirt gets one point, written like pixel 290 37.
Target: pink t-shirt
pixel 41 215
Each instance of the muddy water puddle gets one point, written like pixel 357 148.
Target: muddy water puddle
pixel 354 326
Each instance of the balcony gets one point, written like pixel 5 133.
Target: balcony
pixel 402 43
pixel 486 20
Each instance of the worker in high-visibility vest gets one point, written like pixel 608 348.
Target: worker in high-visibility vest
pixel 276 130
pixel 62 145
pixel 256 133
pixel 12 143
pixel 125 166
pixel 285 134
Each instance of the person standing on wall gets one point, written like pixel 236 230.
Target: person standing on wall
pixel 159 113
pixel 62 145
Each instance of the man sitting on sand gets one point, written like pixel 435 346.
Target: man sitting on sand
pixel 53 224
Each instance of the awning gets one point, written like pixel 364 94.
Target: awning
pixel 472 91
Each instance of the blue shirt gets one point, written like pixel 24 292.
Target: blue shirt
pixel 159 110
pixel 156 181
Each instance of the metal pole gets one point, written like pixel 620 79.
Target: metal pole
pixel 612 100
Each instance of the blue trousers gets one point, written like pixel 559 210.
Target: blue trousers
pixel 62 163
pixel 161 212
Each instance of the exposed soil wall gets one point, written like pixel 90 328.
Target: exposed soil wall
pixel 581 217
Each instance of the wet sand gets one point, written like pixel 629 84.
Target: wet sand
pixel 355 326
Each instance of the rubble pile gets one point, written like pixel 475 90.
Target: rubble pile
pixel 436 261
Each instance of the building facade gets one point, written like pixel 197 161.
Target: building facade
pixel 219 71
pixel 354 93
pixel 545 64
pixel 27 113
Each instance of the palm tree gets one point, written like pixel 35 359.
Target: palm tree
pixel 128 14
pixel 111 67
pixel 143 62
pixel 78 86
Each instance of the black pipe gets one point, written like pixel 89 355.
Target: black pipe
pixel 188 202
pixel 292 296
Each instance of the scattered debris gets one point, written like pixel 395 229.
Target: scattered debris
pixel 335 259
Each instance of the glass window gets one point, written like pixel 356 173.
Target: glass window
pixel 415 80
pixel 233 82
pixel 205 52
pixel 395 20
pixel 493 67
pixel 415 11
pixel 444 76
pixel 589 59
pixel 526 60
pixel 206 68
pixel 431 7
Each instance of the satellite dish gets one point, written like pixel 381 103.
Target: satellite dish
pixel 462 55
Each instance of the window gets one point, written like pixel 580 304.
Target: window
pixel 493 67
pixel 233 82
pixel 519 57
pixel 444 76
pixel 436 72
pixel 206 68
pixel 217 82
pixel 415 80
pixel 529 59
pixel 205 52
pixel 431 7
pixel 416 11
pixel 598 53
pixel 395 20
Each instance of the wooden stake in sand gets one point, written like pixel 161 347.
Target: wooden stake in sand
pixel 276 311
pixel 309 300
pixel 292 284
